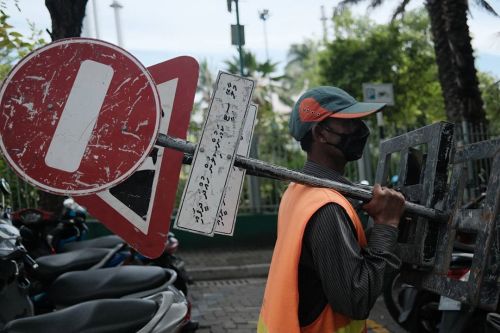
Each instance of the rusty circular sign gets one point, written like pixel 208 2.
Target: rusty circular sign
pixel 78 116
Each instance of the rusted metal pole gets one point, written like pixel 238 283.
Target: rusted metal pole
pixel 264 169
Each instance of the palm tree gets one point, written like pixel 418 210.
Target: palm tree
pixel 454 55
pixel 67 18
pixel 262 73
pixel 302 68
pixel 267 86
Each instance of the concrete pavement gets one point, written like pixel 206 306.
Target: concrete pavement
pixel 217 264
pixel 229 286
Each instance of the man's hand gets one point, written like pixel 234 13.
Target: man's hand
pixel 386 206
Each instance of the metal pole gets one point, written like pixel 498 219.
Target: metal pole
pixel 264 15
pixel 116 6
pixel 268 170
pixel 96 25
pixel 240 49
pixel 324 19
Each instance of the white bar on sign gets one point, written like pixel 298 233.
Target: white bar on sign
pixel 229 209
pixel 79 116
pixel 214 156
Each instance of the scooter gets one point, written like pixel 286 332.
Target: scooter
pixel 147 300
pixel 128 256
pixel 92 271
pixel 46 233
pixel 419 310
pixel 43 233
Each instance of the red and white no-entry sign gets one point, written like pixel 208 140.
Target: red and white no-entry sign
pixel 78 116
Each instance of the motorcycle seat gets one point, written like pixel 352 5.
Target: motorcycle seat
pixel 114 282
pixel 105 242
pixel 51 266
pixel 105 315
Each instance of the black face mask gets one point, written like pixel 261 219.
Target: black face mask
pixel 352 144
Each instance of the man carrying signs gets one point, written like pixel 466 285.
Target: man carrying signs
pixel 325 273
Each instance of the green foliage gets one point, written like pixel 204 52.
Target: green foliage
pixel 267 85
pixel 14 46
pixel 302 68
pixel 400 53
pixel 490 90
pixel 272 143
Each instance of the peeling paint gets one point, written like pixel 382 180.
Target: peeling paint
pixel 131 134
pixel 36 78
pixel 46 87
pixel 121 85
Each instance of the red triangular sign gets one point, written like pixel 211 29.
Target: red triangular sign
pixel 139 209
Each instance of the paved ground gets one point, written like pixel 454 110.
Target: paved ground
pixel 229 286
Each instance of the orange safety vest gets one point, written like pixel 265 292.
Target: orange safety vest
pixel 280 307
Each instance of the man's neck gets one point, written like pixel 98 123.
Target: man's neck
pixel 326 161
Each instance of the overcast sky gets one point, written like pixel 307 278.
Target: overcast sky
pixel 157 30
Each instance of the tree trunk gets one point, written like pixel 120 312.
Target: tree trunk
pixel 455 59
pixel 67 17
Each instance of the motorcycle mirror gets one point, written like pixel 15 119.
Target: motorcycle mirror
pixel 4 186
pixel 69 203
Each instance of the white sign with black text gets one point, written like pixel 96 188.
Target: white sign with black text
pixel 229 209
pixel 214 156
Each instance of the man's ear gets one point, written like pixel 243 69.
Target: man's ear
pixel 317 134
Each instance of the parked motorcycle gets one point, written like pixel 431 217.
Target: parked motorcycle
pixel 165 312
pixel 424 311
pixel 43 233
pixel 128 298
pixel 46 232
pixel 128 256
pixel 418 310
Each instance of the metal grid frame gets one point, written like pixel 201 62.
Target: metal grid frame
pixel 426 246
pixel 482 287
pixel 418 235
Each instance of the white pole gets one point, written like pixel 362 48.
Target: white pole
pixel 324 20
pixel 116 6
pixel 96 25
pixel 264 15
pixel 86 30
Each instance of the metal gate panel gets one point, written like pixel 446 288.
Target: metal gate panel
pixel 423 183
pixel 481 288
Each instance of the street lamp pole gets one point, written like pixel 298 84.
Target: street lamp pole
pixel 264 15
pixel 117 6
pixel 96 24
pixel 239 37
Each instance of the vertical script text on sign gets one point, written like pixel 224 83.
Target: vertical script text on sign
pixel 214 156
pixel 229 208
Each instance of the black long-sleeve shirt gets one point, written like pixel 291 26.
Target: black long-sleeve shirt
pixel 333 268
